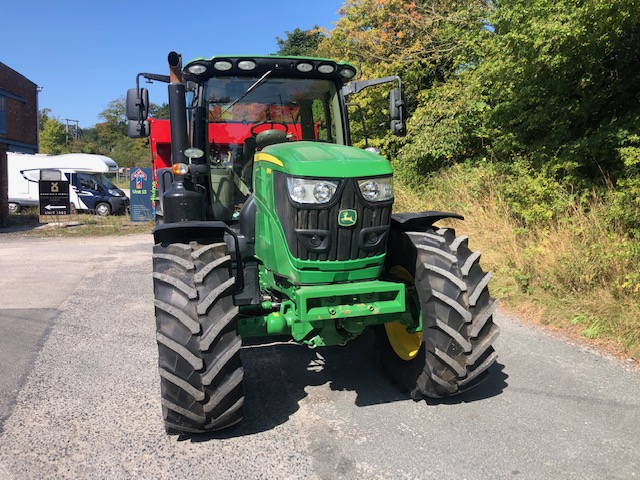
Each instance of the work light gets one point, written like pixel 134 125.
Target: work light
pixel 311 191
pixel 376 189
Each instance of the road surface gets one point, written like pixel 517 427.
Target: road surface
pixel 79 393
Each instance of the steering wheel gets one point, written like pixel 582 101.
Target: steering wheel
pixel 254 129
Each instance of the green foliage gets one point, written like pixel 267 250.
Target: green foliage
pixel 553 85
pixel 562 78
pixel 426 44
pixel 623 205
pixel 112 137
pixel 300 43
pixel 161 112
pixel 445 129
pixel 534 197
pixel 107 138
pixel 52 136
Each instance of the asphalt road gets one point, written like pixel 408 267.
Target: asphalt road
pixel 79 393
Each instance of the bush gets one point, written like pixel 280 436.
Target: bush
pixel 552 252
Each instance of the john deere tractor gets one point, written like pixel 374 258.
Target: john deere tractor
pixel 269 223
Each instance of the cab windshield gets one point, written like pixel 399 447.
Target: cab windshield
pixel 308 108
pixel 241 108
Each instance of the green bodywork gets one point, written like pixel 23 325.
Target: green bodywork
pixel 309 159
pixel 328 302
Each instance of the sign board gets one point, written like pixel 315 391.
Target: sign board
pixel 54 197
pixel 141 207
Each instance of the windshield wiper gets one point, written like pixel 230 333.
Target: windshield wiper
pixel 256 84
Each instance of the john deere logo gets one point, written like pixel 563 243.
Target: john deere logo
pixel 347 218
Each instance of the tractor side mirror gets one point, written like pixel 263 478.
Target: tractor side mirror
pixel 398 112
pixel 138 129
pixel 137 112
pixel 137 104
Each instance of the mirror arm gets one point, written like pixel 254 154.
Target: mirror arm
pixel 356 87
pixel 150 77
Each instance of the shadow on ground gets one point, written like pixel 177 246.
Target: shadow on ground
pixel 21 223
pixel 276 377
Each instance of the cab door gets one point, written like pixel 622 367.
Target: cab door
pixel 89 191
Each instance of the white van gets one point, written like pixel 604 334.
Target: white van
pixel 89 189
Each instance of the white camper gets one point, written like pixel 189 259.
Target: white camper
pixel 89 189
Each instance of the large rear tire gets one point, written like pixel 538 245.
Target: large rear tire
pixel 448 289
pixel 199 350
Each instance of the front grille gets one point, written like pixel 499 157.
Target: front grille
pixel 313 232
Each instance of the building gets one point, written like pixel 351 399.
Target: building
pixel 18 124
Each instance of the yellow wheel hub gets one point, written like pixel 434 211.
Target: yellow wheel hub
pixel 405 344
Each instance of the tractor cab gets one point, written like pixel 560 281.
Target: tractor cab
pixel 245 114
pixel 238 106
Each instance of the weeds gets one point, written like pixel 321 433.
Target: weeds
pixel 80 225
pixel 562 263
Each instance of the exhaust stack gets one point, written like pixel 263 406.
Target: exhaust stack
pixel 177 110
pixel 175 67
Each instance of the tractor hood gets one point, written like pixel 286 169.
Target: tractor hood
pixel 315 159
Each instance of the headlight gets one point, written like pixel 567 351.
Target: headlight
pixel 303 190
pixel 115 193
pixel 376 189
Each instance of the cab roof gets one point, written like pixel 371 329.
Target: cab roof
pixel 255 65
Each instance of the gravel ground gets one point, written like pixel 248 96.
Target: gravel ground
pixel 85 401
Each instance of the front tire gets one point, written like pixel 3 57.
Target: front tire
pixel 103 209
pixel 447 290
pixel 199 349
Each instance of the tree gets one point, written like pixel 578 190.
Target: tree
pixel 52 136
pixel 563 79
pixel 161 112
pixel 427 43
pixel 43 117
pixel 300 42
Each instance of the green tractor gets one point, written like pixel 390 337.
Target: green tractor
pixel 269 223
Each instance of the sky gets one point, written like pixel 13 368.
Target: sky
pixel 84 54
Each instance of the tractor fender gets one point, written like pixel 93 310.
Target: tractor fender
pixel 419 221
pixel 203 232
pixel 185 232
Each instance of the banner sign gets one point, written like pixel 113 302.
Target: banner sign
pixel 141 208
pixel 54 197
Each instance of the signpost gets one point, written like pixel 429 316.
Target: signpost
pixel 141 206
pixel 54 197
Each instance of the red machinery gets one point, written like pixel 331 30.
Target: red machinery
pixel 227 132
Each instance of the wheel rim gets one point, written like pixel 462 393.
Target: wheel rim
pixel 102 210
pixel 405 344
pixel 13 208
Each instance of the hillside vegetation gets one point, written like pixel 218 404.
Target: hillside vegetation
pixel 524 117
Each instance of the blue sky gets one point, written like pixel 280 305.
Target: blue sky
pixel 86 53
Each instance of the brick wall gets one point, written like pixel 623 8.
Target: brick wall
pixel 21 113
pixel 21 107
pixel 4 207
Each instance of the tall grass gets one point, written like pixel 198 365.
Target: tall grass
pixel 27 223
pixel 571 268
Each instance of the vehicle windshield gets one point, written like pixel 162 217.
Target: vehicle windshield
pixel 308 107
pixel 104 180
pixel 239 108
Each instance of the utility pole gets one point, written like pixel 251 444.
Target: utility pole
pixel 75 131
